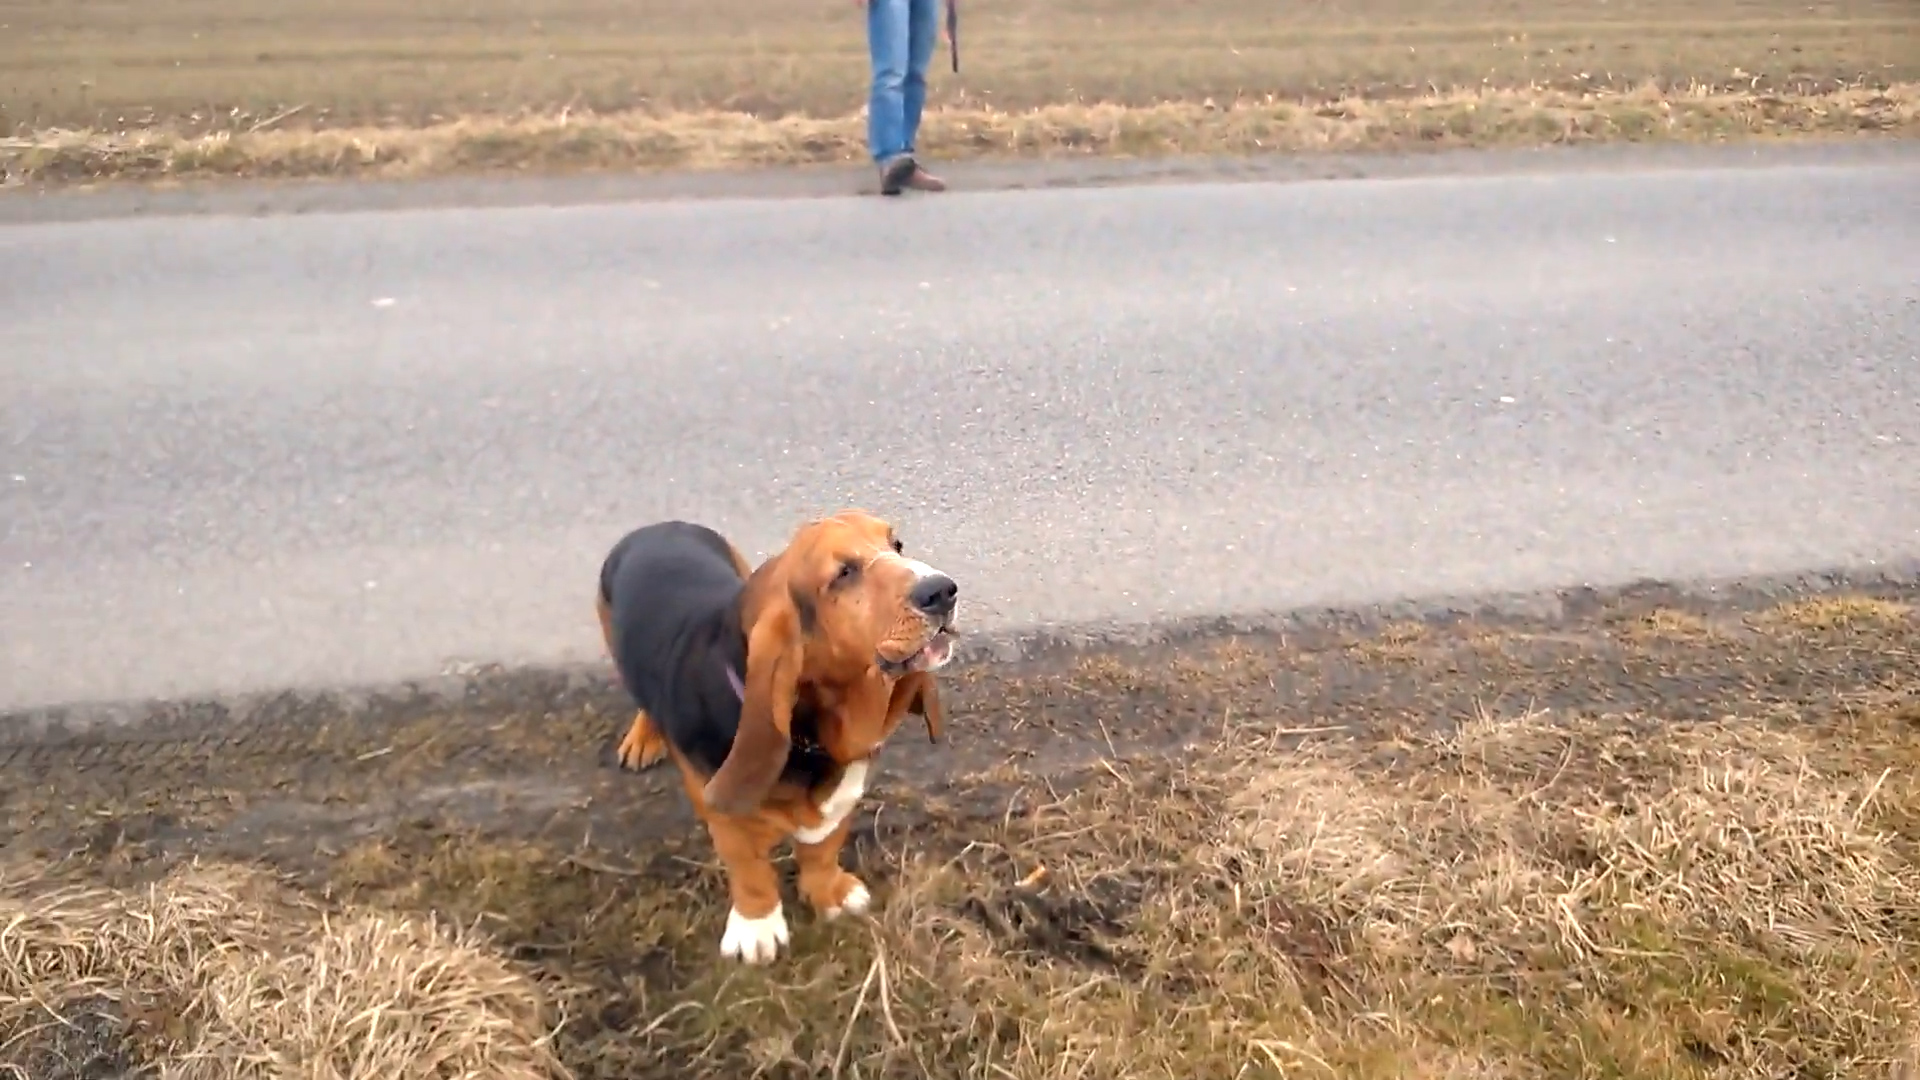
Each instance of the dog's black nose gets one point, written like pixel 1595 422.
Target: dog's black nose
pixel 935 594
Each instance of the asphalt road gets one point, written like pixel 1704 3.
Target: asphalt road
pixel 252 452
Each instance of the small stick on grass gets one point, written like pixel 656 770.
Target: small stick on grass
pixel 276 118
pixel 886 993
pixel 846 1037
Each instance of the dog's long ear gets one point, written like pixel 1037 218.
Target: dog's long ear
pixel 776 625
pixel 929 707
pixel 917 693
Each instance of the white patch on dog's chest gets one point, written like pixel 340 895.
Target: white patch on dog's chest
pixel 837 805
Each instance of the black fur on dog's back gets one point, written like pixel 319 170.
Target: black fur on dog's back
pixel 674 600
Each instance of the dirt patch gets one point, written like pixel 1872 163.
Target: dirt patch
pixel 262 88
pixel 80 1037
pixel 1653 841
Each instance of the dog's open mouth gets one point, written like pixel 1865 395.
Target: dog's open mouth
pixel 935 654
pixel 932 656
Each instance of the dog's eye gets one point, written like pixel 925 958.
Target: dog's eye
pixel 898 547
pixel 847 570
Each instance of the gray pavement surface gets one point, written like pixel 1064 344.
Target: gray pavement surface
pixel 250 452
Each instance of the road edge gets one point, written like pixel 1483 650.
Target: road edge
pixel 497 690
pixel 269 198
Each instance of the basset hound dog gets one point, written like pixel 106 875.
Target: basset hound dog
pixel 772 688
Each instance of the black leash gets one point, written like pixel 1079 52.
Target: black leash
pixel 953 33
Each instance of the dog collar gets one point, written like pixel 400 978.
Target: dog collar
pixel 800 742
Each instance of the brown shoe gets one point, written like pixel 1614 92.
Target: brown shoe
pixel 896 173
pixel 922 180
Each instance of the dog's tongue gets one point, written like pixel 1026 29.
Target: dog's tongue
pixel 936 648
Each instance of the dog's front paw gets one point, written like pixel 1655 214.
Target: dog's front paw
pixel 856 901
pixel 837 895
pixel 754 941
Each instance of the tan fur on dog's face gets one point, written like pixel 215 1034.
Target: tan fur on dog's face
pixel 837 607
pixel 852 569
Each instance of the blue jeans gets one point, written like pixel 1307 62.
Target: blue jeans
pixel 900 39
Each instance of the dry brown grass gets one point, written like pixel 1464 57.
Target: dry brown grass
pixel 219 973
pixel 1522 898
pixel 1670 624
pixel 235 63
pixel 1545 895
pixel 577 141
pixel 1855 613
pixel 204 88
pixel 1532 897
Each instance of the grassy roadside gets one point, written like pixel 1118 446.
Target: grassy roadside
pixel 1728 886
pixel 1524 897
pixel 599 142
pixel 1529 896
pixel 192 89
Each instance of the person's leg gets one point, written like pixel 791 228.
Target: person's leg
pixel 923 33
pixel 887 46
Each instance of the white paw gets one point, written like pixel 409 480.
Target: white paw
pixel 856 902
pixel 754 941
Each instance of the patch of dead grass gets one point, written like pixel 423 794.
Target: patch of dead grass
pixel 1670 624
pixel 1532 897
pixel 1544 895
pixel 1520 897
pixel 218 973
pixel 206 65
pixel 1840 612
pixel 568 140
pixel 1400 641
